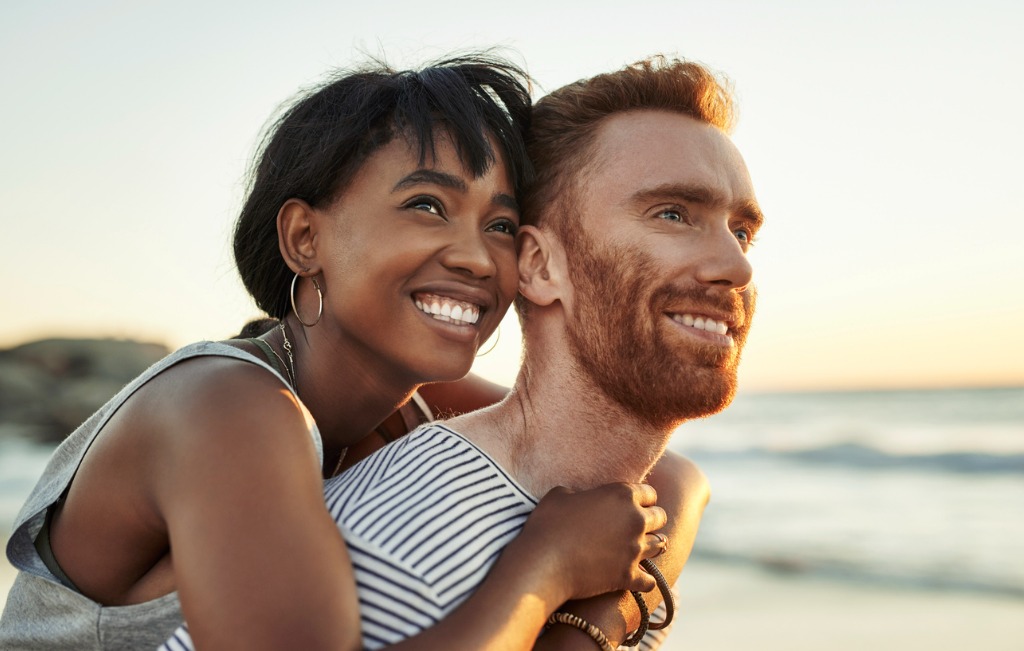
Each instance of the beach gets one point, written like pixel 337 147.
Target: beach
pixel 733 608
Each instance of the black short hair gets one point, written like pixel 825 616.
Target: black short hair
pixel 314 149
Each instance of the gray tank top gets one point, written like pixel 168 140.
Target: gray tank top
pixel 42 612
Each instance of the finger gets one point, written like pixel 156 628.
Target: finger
pixel 655 518
pixel 645 494
pixel 655 544
pixel 558 490
pixel 642 581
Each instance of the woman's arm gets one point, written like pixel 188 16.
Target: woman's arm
pixel 545 562
pixel 230 586
pixel 449 399
pixel 294 588
pixel 258 561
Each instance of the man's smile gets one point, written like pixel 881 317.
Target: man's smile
pixel 715 330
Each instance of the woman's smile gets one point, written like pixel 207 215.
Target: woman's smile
pixel 448 310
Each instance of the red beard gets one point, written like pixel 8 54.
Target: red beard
pixel 618 336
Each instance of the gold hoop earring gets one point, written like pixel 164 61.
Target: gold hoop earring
pixel 320 296
pixel 497 338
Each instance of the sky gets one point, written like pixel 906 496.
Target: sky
pixel 884 140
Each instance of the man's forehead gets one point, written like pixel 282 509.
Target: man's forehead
pixel 639 151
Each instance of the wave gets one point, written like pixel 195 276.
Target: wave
pixel 867 457
pixel 848 572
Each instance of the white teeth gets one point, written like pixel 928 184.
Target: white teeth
pixel 448 310
pixel 702 323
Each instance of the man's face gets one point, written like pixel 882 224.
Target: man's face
pixel 662 296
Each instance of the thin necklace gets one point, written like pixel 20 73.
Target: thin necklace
pixel 283 365
pixel 287 345
pixel 290 367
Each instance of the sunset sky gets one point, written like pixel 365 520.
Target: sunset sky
pixel 885 141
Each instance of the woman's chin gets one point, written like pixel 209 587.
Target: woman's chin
pixel 442 366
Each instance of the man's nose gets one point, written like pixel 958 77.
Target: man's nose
pixel 725 263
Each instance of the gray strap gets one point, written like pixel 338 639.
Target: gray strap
pixel 268 352
pixel 45 550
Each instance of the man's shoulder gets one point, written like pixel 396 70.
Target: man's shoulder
pixel 395 470
pixel 425 470
pixel 426 497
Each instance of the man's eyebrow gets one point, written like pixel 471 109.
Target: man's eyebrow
pixel 432 177
pixel 450 181
pixel 698 194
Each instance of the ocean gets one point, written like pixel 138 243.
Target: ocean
pixel 920 489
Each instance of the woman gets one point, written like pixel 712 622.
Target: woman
pixel 202 479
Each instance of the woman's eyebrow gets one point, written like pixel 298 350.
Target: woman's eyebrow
pixel 507 201
pixel 450 181
pixel 433 177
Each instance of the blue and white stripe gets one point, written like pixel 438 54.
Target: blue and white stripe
pixel 424 519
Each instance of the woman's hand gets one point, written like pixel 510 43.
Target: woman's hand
pixel 574 544
pixel 683 491
pixel 591 542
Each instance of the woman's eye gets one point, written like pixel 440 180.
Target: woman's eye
pixel 504 226
pixel 426 204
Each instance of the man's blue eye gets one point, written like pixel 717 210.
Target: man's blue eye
pixel 671 215
pixel 745 237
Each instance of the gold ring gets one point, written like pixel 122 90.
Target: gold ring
pixel 663 540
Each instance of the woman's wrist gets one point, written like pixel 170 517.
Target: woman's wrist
pixel 595 634
pixel 615 613
pixel 536 567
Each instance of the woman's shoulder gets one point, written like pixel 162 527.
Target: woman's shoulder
pixel 214 398
pixel 216 385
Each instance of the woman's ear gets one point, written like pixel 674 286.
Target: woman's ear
pixel 541 266
pixel 297 225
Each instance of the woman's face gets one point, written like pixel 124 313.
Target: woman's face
pixel 420 262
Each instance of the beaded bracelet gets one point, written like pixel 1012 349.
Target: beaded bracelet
pixel 578 622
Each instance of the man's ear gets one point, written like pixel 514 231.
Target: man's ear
pixel 541 266
pixel 297 226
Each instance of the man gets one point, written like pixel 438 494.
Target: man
pixel 635 303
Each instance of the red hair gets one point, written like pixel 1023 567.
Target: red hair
pixel 565 124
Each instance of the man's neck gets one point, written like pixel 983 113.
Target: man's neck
pixel 558 429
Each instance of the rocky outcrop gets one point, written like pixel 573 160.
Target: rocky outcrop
pixel 49 387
